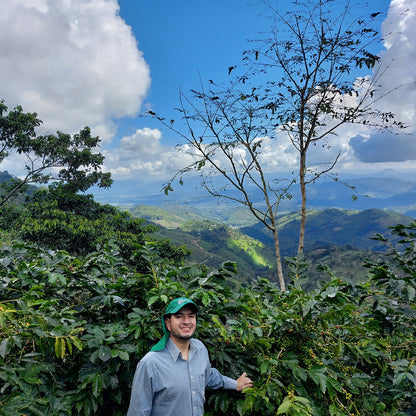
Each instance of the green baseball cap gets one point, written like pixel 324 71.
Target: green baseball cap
pixel 174 306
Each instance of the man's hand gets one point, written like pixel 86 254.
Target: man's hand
pixel 243 382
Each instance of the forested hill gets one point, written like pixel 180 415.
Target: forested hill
pixel 324 227
pixel 335 237
pixel 332 227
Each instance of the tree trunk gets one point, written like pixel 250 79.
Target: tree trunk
pixel 278 259
pixel 302 173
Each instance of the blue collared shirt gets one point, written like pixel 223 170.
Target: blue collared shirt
pixel 167 385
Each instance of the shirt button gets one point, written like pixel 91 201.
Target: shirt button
pixel 193 392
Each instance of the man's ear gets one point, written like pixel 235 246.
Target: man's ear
pixel 167 323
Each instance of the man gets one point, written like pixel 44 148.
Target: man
pixel 170 380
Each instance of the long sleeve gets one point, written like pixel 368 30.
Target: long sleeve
pixel 217 381
pixel 142 392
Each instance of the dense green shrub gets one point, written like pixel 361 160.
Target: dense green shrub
pixel 73 329
pixel 56 218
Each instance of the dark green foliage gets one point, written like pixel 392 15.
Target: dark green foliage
pixel 64 332
pixel 73 329
pixel 59 219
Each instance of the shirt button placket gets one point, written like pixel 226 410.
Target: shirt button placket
pixel 192 386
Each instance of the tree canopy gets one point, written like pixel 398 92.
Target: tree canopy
pixel 63 158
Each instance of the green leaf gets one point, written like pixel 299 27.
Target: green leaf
pixel 152 300
pixel 203 280
pixel 167 188
pixel 104 353
pixel 332 386
pixel 240 406
pixel 87 407
pixel 318 376
pixel 400 377
pixel 360 379
pixel 57 277
pixel 330 292
pixel 309 305
pixel 411 292
pixel 69 345
pixel 264 367
pixel 248 403
pixel 298 372
pixel 124 355
pixel 31 378
pixel 60 347
pixel 205 299
pixel 338 349
pixel 77 342
pixel 285 406
pixel 4 347
pixel 258 331
pixel 97 384
pixel 99 334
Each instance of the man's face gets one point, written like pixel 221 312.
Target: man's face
pixel 182 324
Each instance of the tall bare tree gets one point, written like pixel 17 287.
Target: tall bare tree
pixel 299 86
pixel 313 65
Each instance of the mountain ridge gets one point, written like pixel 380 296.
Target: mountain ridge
pixel 340 238
pixel 353 193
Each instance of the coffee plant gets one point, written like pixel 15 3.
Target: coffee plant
pixel 73 328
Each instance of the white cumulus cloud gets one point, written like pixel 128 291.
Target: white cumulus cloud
pixel 143 156
pixel 399 59
pixel 74 62
pixel 396 94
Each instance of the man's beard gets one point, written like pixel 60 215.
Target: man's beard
pixel 178 335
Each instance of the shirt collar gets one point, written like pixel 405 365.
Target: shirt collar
pixel 175 352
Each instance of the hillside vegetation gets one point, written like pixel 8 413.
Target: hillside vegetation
pixel 340 239
pixel 74 326
pixel 332 227
pixel 174 215
pixel 83 285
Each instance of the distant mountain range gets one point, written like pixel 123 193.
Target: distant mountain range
pixel 353 193
pixel 387 191
pixel 328 227
pixel 332 227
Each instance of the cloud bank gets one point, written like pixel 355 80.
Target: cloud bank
pixel 74 62
pixel 398 91
pixel 143 156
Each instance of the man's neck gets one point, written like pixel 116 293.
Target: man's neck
pixel 183 346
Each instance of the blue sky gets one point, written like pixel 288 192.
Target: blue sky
pixel 102 63
pixel 184 39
